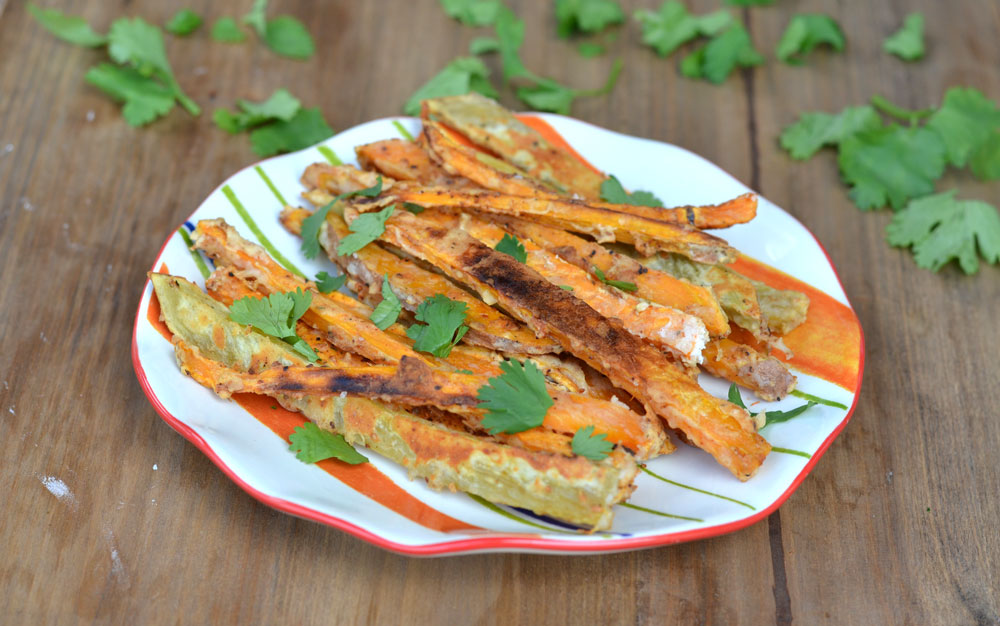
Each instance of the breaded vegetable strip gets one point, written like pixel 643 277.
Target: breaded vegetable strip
pixel 783 309
pixel 573 489
pixel 739 210
pixel 735 293
pixel 765 375
pixel 682 334
pixel 412 285
pixel 648 235
pixel 330 313
pixel 651 285
pixel 341 177
pixel 414 384
pixel 719 427
pixel 405 160
pixel 490 126
pixel 486 171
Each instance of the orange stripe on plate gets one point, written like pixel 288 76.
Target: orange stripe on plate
pixel 552 136
pixel 828 344
pixel 364 478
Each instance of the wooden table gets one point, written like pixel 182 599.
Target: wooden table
pixel 109 516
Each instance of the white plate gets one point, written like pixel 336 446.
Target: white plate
pixel 259 461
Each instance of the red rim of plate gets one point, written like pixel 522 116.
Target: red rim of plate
pixel 498 542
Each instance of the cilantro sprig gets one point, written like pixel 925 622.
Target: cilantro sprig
pixel 805 32
pixel 276 315
pixel 473 12
pixel 586 16
pixel 69 28
pixel 512 246
pixel 183 23
pixel 673 25
pixel 770 417
pixel 328 284
pixel 442 328
pixel 284 35
pixel 139 44
pixel 281 105
pixel 594 447
pixel 387 311
pixel 612 191
pixel 461 76
pixel 726 51
pixel 908 42
pixel 619 284
pixel 312 444
pixel 312 224
pixel 516 400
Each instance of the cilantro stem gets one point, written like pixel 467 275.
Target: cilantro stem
pixel 660 513
pixel 402 131
pixel 818 400
pixel 800 453
pixel 892 110
pixel 609 84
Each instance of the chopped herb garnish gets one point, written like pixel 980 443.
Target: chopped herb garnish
pixel 620 284
pixel 311 444
pixel 443 325
pixel 328 284
pixel 461 76
pixel 612 191
pixel 516 400
pixel 276 316
pixel 312 224
pixel 510 245
pixel 594 447
pixel 770 417
pixel 387 311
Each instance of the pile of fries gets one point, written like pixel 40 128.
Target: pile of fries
pixel 618 305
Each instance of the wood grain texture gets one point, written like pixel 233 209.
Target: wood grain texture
pixel 897 524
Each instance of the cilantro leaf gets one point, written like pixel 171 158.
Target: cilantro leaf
pixel 964 122
pixel 721 55
pixel 612 191
pixel 985 161
pixel 908 42
pixel 805 31
pixel 620 284
pixel 770 417
pixel 328 284
pixel 516 400
pixel 672 26
pixel 311 444
pixel 365 229
pixel 512 246
pixel 275 315
pixel 548 95
pixel 589 49
pixel 387 311
pixel 305 129
pixel 289 37
pixel 510 36
pixel 183 23
pixel 226 30
pixel 588 445
pixel 256 18
pixel 281 105
pixel 444 325
pixel 312 224
pixel 140 44
pixel 815 130
pixel 472 12
pixel 586 16
pixel 483 45
pixel 69 28
pixel 416 209
pixel 145 99
pixel 566 287
pixel 459 77
pixel 940 228
pixel 890 165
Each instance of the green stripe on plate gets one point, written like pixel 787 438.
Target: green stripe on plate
pixel 489 505
pixel 402 131
pixel 818 400
pixel 330 155
pixel 264 241
pixel 270 185
pixel 800 453
pixel 683 486
pixel 660 513
pixel 200 262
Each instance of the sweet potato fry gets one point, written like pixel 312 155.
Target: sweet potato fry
pixel 405 160
pixel 722 429
pixel 739 363
pixel 494 128
pixel 574 489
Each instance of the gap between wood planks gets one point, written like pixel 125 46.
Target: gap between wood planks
pixel 782 599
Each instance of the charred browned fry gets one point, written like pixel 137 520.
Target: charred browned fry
pixel 486 171
pixel 414 384
pixel 682 334
pixel 651 285
pixel 574 489
pixel 490 126
pixel 739 363
pixel 412 285
pixel 714 425
pixel 647 235
pixel 330 313
pixel 405 160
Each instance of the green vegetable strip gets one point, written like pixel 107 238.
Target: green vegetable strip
pixel 695 489
pixel 660 513
pixel 402 131
pixel 329 155
pixel 818 400
pixel 270 185
pixel 800 453
pixel 264 241
pixel 200 262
